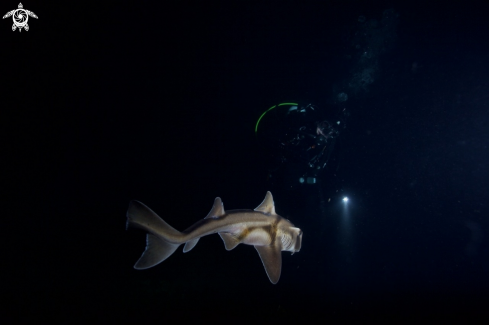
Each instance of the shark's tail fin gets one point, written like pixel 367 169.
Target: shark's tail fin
pixel 162 240
pixel 156 251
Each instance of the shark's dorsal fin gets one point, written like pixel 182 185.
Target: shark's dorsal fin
pixel 271 258
pixel 267 206
pixel 217 210
pixel 229 240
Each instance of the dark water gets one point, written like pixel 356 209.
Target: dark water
pixel 113 102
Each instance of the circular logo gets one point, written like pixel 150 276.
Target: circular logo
pixel 20 17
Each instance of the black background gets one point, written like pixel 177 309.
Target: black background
pixel 107 102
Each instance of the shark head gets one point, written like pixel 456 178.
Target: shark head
pixel 296 235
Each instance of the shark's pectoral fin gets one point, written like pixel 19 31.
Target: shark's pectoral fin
pixel 229 240
pixel 190 244
pixel 271 257
pixel 157 250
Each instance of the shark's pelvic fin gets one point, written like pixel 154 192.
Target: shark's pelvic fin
pixel 267 206
pixel 271 258
pixel 229 240
pixel 157 250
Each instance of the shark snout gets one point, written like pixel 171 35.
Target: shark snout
pixel 298 242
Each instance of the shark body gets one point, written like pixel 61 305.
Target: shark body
pixel 262 228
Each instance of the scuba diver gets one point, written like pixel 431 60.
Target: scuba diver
pixel 299 142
